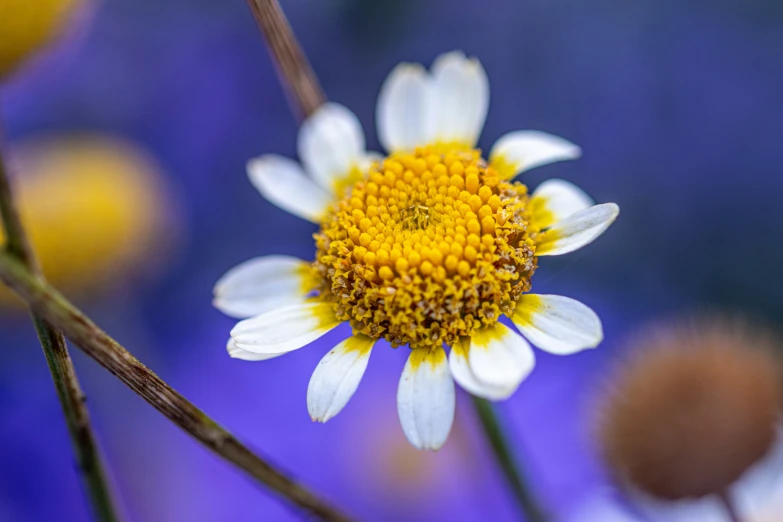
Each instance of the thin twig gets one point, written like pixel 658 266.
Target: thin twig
pixel 505 458
pixel 66 383
pixel 58 311
pixel 305 93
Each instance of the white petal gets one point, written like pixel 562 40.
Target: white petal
pixel 404 111
pixel 555 200
pixel 283 183
pixel 557 324
pixel 600 506
pixel 262 284
pixel 368 158
pixel 337 376
pixel 704 509
pixel 577 230
pixel 500 357
pixel 519 151
pixel 331 143
pixel 285 329
pixel 460 370
pixel 461 96
pixel 238 353
pixel 425 399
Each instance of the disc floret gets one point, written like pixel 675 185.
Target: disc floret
pixel 427 248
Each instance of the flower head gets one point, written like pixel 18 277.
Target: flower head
pixel 95 206
pixel 27 26
pixel 428 247
pixel 696 408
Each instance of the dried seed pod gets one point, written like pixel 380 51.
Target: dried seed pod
pixel 693 410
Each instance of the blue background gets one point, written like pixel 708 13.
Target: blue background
pixel 676 104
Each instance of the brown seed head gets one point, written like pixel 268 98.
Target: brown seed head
pixel 695 408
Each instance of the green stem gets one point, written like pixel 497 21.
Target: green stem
pixel 66 383
pixel 43 299
pixel 83 440
pixel 504 455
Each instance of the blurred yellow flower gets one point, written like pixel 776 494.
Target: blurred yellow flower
pixel 26 26
pixel 95 208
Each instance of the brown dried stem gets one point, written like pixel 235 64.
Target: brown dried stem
pixel 305 93
pixel 66 383
pixel 43 299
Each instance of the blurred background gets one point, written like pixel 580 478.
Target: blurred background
pixel 129 139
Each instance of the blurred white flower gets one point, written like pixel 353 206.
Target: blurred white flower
pixel 757 496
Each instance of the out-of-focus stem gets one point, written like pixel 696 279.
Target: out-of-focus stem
pixel 728 505
pixel 66 383
pixel 295 71
pixel 43 299
pixel 505 459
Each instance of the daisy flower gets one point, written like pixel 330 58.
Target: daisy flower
pixel 690 425
pixel 427 248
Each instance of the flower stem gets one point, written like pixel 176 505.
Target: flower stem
pixel 728 505
pixel 43 299
pixel 295 71
pixel 66 383
pixel 504 455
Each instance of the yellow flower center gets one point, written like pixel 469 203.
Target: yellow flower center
pixel 426 248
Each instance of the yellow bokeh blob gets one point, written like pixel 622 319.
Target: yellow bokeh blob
pixel 28 25
pixel 95 209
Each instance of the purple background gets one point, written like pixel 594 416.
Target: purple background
pixel 676 103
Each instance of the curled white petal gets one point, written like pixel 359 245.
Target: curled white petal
pixel 285 329
pixel 404 111
pixel 283 183
pixel 460 97
pixel 461 372
pixel 519 151
pixel 500 357
pixel 337 376
pixel 426 399
pixel 577 230
pixel 331 143
pixel 262 284
pixel 555 200
pixel 557 324
pixel 238 353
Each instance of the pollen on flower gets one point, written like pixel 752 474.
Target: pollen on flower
pixel 426 248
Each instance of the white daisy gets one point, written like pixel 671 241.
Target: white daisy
pixel 427 248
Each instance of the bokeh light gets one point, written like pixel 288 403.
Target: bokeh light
pixel 27 27
pixel 99 214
